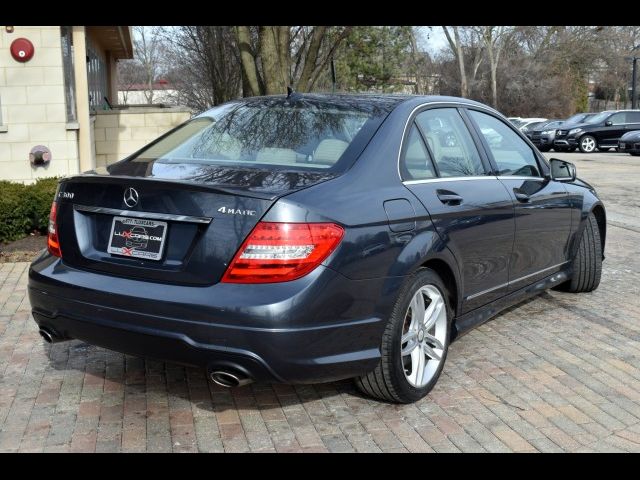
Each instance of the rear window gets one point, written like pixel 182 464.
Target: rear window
pixel 273 133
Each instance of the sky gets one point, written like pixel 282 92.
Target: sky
pixel 432 39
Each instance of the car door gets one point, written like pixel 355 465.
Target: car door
pixel 615 127
pixel 542 206
pixel 470 209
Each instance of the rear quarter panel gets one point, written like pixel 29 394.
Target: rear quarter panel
pixel 370 248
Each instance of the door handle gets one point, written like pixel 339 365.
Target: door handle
pixel 449 198
pixel 521 197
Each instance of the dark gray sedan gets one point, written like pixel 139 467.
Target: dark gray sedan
pixel 630 143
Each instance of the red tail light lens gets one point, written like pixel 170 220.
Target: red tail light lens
pixel 280 252
pixel 53 244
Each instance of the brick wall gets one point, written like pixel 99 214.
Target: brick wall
pixel 33 107
pixel 119 133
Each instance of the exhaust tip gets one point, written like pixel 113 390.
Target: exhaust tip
pixel 47 335
pixel 228 379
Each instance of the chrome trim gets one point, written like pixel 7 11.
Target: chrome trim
pixel 488 290
pixel 470 177
pixel 422 105
pixel 449 179
pixel 511 282
pixel 148 215
pixel 514 177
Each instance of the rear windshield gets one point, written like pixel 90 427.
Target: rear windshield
pixel 272 133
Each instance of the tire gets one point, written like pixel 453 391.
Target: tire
pixel 635 154
pixel 587 144
pixel 544 149
pixel 587 264
pixel 390 380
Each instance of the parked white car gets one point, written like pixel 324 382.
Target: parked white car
pixel 526 123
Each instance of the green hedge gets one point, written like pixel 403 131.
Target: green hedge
pixel 25 208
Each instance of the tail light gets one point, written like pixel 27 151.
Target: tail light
pixel 53 244
pixel 280 252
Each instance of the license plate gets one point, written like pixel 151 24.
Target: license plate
pixel 137 238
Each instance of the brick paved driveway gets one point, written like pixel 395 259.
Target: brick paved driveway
pixel 560 372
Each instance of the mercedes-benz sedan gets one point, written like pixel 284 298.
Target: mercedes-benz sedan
pixel 311 238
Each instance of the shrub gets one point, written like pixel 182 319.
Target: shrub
pixel 25 208
pixel 41 195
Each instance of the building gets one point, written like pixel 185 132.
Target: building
pixel 59 100
pixel 138 93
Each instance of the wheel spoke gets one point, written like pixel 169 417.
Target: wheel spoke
pixel 430 352
pixel 410 338
pixel 418 362
pixel 433 341
pixel 417 310
pixel 433 313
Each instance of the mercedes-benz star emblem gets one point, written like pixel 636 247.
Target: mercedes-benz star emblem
pixel 131 197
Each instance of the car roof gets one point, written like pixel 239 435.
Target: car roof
pixel 386 101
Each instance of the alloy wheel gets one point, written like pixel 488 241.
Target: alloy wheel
pixel 423 335
pixel 588 144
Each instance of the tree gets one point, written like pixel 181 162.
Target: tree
pixel 130 74
pixel 275 57
pixel 147 48
pixel 204 64
pixel 494 39
pixel 462 37
pixel 375 58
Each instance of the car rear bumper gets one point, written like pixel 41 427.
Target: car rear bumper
pixel 542 141
pixel 629 147
pixel 322 327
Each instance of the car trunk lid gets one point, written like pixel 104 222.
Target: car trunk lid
pixel 195 220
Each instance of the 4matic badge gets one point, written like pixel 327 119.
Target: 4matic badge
pixel 236 211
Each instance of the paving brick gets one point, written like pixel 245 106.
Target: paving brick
pixel 560 372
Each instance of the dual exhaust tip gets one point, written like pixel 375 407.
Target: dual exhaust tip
pixel 50 336
pixel 228 379
pixel 223 378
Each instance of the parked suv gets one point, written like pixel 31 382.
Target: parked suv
pixel 600 132
pixel 542 136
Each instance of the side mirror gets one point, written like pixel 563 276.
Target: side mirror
pixel 562 171
pixel 608 123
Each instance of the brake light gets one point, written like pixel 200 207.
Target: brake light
pixel 53 244
pixel 280 252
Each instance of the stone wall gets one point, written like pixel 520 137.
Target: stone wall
pixel 33 107
pixel 119 133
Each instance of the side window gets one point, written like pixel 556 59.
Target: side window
pixel 618 118
pixel 416 164
pixel 450 143
pixel 510 152
pixel 633 117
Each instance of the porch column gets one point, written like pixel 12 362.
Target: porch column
pixel 87 160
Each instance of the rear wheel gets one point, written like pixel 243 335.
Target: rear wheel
pixel 635 154
pixel 414 344
pixel 587 144
pixel 587 264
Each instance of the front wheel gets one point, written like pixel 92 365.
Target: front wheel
pixel 587 144
pixel 587 264
pixel 414 344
